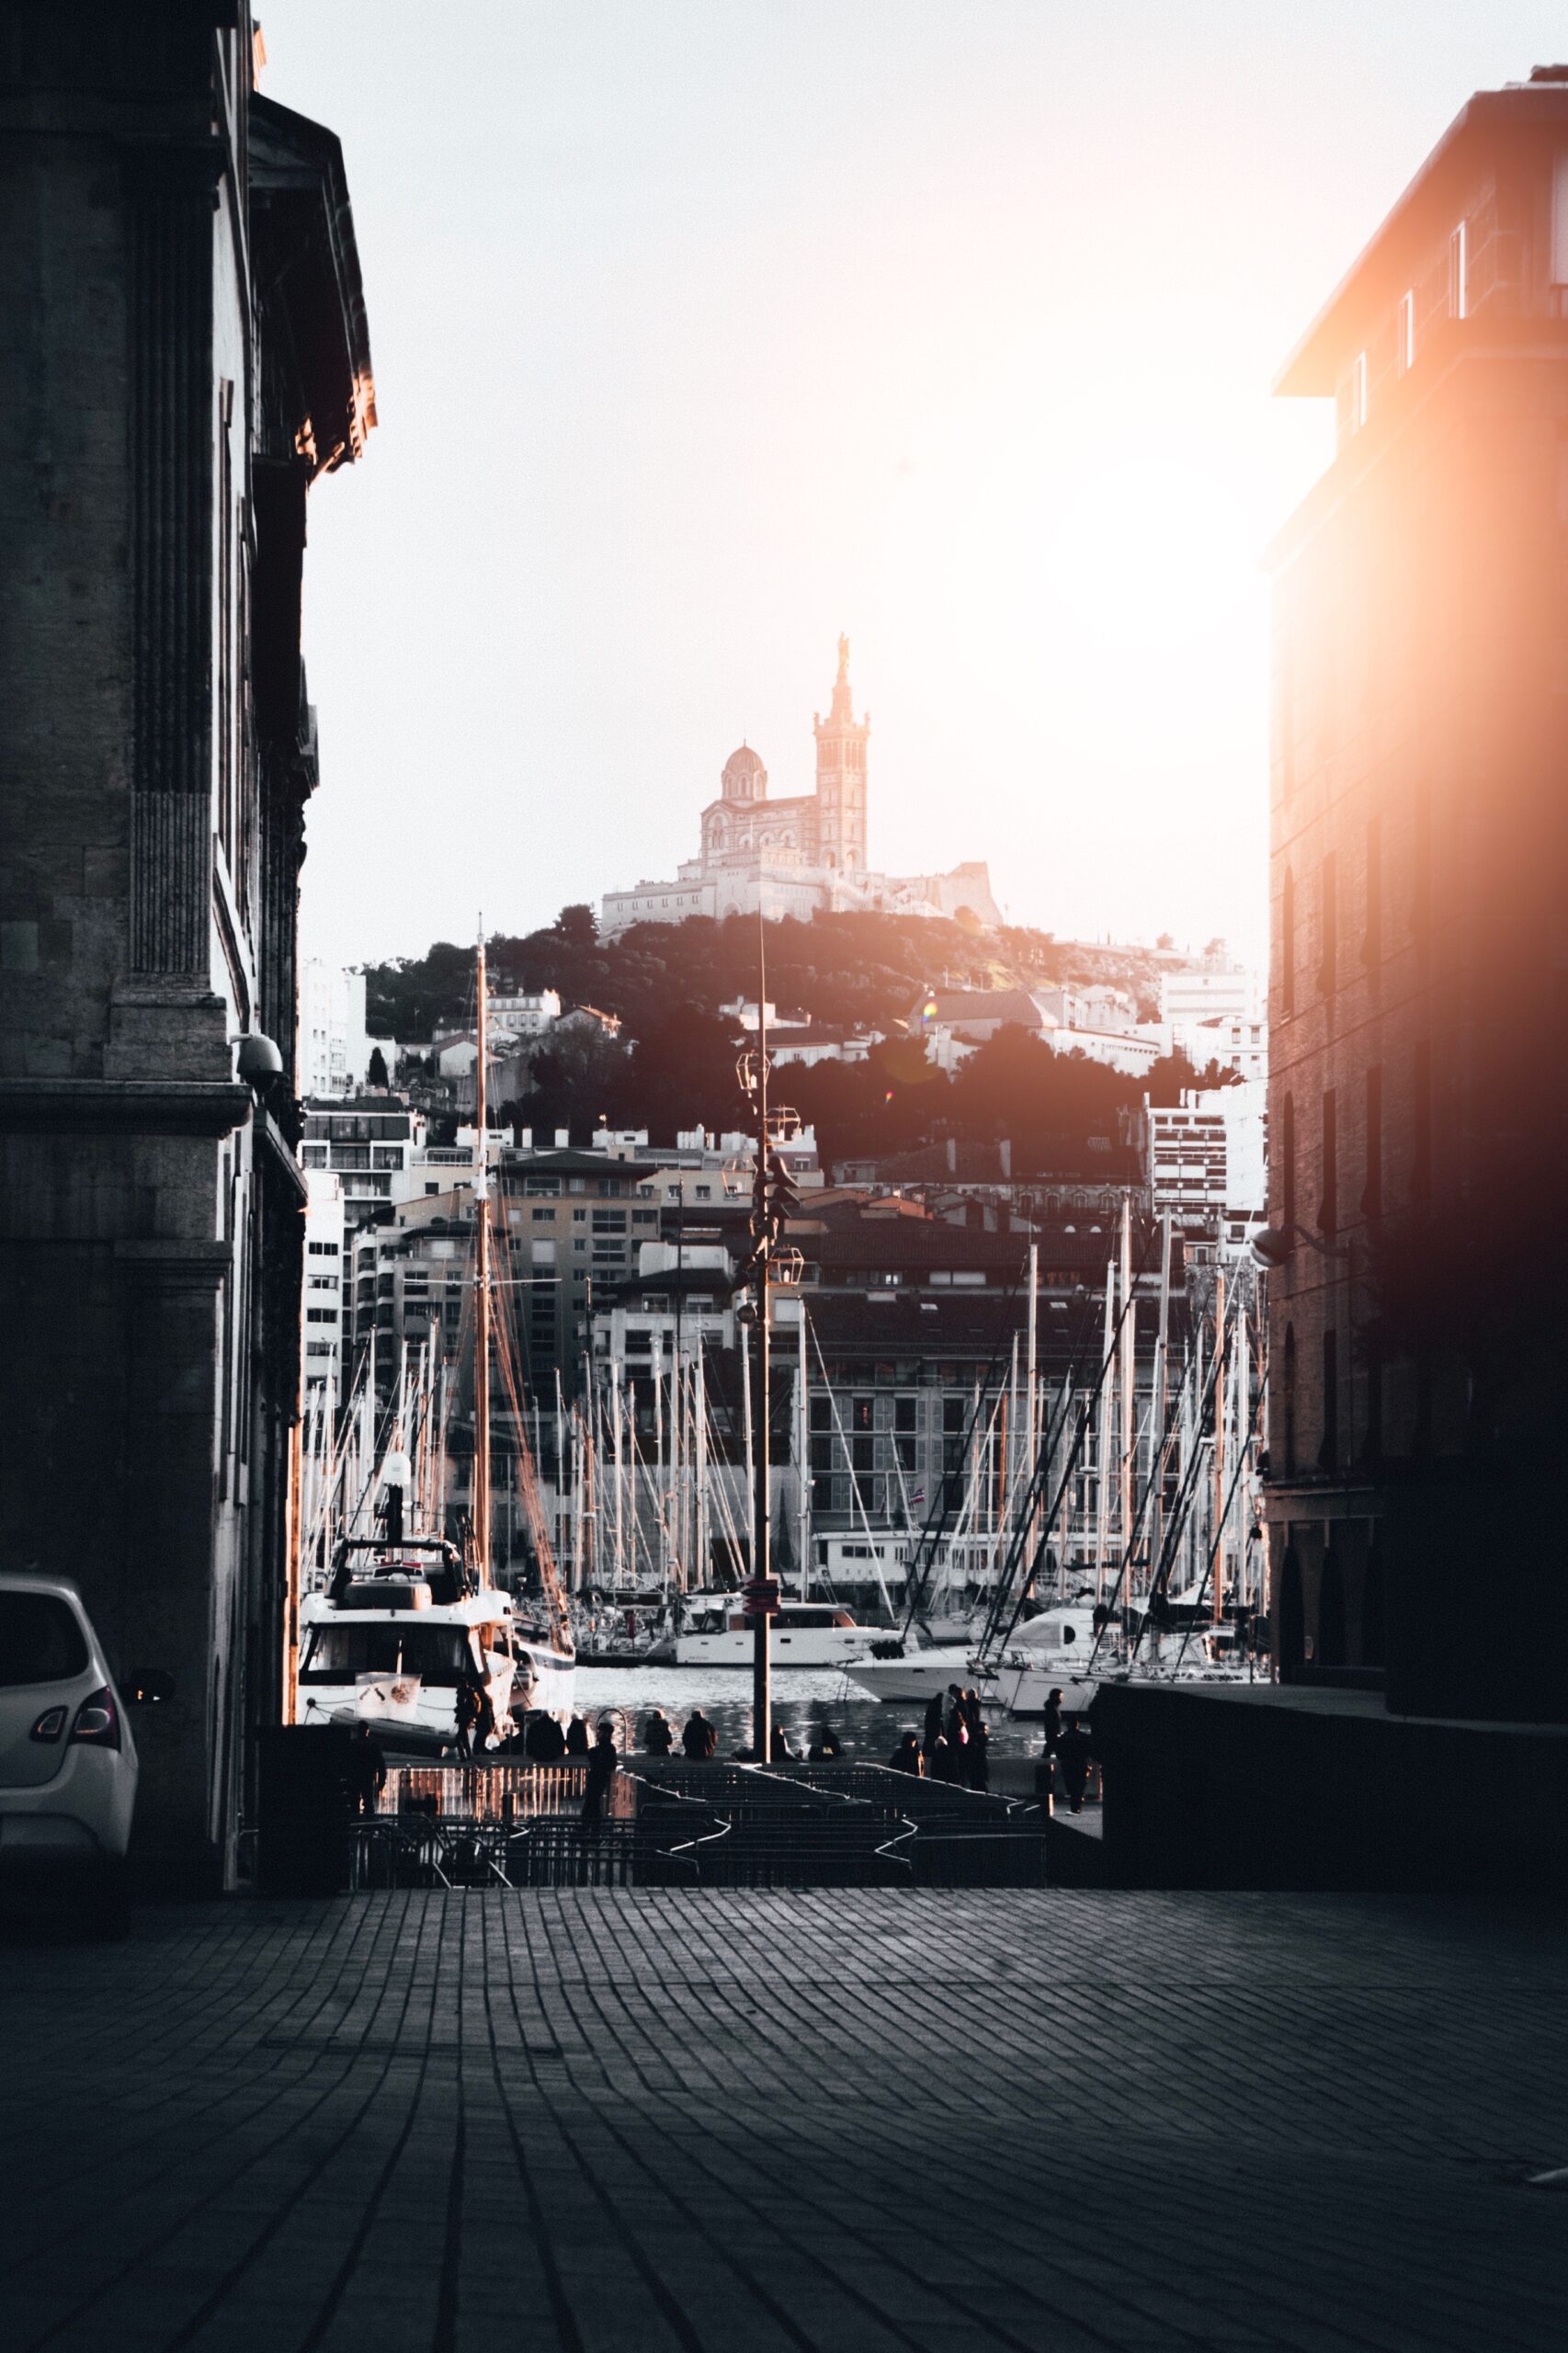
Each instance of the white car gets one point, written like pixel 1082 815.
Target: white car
pixel 67 1759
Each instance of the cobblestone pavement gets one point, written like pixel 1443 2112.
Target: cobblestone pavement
pixel 840 2120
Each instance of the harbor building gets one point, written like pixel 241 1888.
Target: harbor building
pixel 1418 868
pixel 1416 1115
pixel 795 855
pixel 186 355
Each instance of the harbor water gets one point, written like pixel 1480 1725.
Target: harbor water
pixel 805 1699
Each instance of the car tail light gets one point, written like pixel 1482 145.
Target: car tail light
pixel 97 1720
pixel 49 1725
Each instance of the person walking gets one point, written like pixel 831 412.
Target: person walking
pixel 1075 1754
pixel 906 1758
pixel 603 1759
pixel 699 1739
pixel 467 1710
pixel 933 1724
pixel 658 1734
pixel 364 1770
pixel 1045 1772
pixel 942 1763
pixel 977 1756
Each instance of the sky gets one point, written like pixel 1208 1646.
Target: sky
pixel 704 330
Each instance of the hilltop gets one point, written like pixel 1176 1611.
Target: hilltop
pixel 674 1066
pixel 854 971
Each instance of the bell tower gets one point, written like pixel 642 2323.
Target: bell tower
pixel 841 777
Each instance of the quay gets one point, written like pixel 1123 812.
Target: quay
pixel 838 2121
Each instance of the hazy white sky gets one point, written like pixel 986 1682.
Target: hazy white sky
pixel 705 329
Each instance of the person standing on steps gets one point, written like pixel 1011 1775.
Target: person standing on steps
pixel 906 1758
pixel 1075 1753
pixel 603 1759
pixel 699 1740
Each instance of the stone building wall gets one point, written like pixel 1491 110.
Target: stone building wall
pixel 161 410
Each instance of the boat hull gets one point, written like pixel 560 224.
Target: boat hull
pixel 915 1676
pixel 802 1646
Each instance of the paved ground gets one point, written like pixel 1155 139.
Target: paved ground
pixel 835 2121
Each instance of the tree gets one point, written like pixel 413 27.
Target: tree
pixel 376 1070
pixel 578 927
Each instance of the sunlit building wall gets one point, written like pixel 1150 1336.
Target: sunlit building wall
pixel 1420 727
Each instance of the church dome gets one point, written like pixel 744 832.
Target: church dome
pixel 745 777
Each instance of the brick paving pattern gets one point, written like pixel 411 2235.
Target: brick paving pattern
pixel 425 2123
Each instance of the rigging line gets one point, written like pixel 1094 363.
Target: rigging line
pixel 1042 1479
pixel 1205 1405
pixel 922 1563
pixel 854 1482
pixel 1243 1452
pixel 1123 1572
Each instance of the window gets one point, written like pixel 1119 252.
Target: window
pixel 41 1641
pixel 1328 1452
pixel 1328 962
pixel 1458 272
pixel 544 1217
pixel 579 1217
pixel 955 1413
pixel 318 1348
pixel 1405 334
pixel 904 1413
pixel 1372 938
pixel 644 1217
pixel 1372 1190
pixel 320 1283
pixel 321 1314
pixel 610 1221
pixel 323 1249
pixel 1421 1123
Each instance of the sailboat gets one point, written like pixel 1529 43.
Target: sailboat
pixel 413 1625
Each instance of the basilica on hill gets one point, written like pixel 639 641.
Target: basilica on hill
pixel 799 856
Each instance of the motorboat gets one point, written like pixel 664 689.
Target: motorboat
pixel 803 1633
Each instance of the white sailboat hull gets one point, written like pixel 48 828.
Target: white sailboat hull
pixel 916 1674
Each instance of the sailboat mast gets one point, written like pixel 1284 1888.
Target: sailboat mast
pixel 481 1282
pixel 1217 1594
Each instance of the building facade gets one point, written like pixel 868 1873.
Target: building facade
pixel 1419 869
pixel 186 355
pixel 795 856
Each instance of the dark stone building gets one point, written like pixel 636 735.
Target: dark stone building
pixel 184 351
pixel 1419 878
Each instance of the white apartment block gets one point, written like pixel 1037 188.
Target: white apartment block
pixel 1207 1157
pixel 335 1047
pixel 326 1268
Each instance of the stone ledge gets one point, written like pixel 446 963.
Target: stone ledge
pixel 138 1107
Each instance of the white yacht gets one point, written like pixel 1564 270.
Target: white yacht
pixel 804 1633
pixel 1055 1646
pixel 401 1628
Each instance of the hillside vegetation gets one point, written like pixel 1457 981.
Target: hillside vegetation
pixel 676 1065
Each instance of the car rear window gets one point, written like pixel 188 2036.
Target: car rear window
pixel 41 1641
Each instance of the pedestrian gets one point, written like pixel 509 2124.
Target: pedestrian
pixel 942 1763
pixel 824 1747
pixel 782 1751
pixel 544 1742
pixel 906 1758
pixel 1053 1719
pixel 364 1772
pixel 974 1715
pixel 977 1757
pixel 699 1739
pixel 577 1741
pixel 484 1722
pixel 658 1734
pixel 933 1723
pixel 603 1759
pixel 1074 1752
pixel 466 1709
